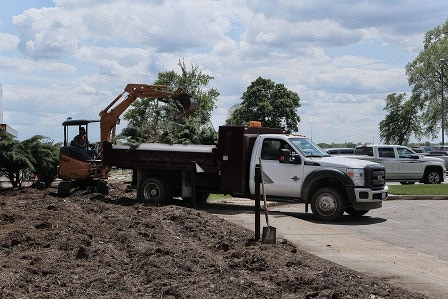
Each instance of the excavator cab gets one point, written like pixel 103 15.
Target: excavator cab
pixel 79 167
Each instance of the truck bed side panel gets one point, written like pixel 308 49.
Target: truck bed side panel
pixel 123 157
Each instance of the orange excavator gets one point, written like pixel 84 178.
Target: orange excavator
pixel 84 168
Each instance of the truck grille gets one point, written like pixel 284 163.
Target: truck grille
pixel 375 176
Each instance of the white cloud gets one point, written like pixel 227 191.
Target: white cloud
pixel 8 41
pixel 23 67
pixel 45 34
pixel 339 56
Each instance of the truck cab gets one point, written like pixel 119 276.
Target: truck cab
pixel 293 167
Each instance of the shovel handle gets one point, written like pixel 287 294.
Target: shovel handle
pixel 264 193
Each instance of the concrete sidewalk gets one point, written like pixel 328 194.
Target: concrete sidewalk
pixel 398 265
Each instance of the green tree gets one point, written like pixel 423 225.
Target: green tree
pixel 36 155
pixel 14 159
pixel 272 104
pixel 401 121
pixel 424 75
pixel 150 120
pixel 44 156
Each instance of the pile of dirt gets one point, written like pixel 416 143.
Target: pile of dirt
pixel 92 246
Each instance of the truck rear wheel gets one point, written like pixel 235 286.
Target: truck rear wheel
pixel 201 198
pixel 327 204
pixel 156 191
pixel 433 176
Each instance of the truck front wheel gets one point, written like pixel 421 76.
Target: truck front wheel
pixel 156 191
pixel 433 176
pixel 327 204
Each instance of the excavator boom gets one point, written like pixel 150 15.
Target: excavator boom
pixel 110 116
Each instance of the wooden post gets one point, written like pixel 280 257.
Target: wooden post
pixel 257 202
pixel 193 184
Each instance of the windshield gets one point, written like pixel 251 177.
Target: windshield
pixel 308 148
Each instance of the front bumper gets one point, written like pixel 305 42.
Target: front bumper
pixel 368 199
pixel 369 195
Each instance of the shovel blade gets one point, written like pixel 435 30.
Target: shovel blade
pixel 269 235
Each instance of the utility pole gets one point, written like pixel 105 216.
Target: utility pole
pixel 442 63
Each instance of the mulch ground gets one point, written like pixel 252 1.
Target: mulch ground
pixel 94 246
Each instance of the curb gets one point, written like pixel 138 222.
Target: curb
pixel 417 197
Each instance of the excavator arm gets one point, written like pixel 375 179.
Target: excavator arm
pixel 110 116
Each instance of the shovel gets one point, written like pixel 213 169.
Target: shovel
pixel 269 232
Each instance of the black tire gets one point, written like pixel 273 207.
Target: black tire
pixel 356 213
pixel 64 189
pixel 82 184
pixel 433 176
pixel 327 204
pixel 101 187
pixel 155 190
pixel 201 198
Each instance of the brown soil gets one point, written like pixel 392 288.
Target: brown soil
pixel 91 246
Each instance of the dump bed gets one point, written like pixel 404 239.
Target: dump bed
pixel 160 156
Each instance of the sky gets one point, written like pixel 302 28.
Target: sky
pixel 71 58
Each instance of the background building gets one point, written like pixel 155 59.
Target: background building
pixel 3 125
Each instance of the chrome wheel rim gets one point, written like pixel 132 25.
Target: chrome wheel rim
pixel 151 192
pixel 326 204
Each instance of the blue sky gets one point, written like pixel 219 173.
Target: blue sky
pixel 71 58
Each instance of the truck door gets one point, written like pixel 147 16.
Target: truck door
pixel 386 157
pixel 410 166
pixel 281 179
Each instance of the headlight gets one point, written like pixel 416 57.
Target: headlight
pixel 357 176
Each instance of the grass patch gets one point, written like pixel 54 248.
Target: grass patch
pixel 419 189
pixel 213 197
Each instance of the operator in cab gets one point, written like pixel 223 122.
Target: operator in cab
pixel 80 140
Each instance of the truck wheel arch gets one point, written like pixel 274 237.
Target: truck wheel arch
pixel 433 175
pixel 326 177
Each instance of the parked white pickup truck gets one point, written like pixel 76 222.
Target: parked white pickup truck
pixel 402 164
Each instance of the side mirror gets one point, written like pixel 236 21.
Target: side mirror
pixel 415 156
pixel 284 156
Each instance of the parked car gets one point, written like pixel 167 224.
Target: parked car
pixel 417 149
pixel 423 149
pixel 340 151
pixel 439 154
pixel 404 165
